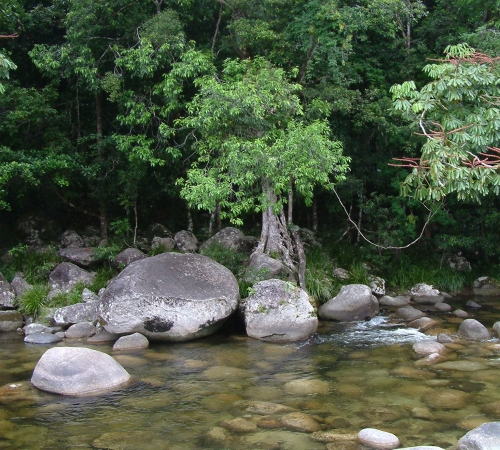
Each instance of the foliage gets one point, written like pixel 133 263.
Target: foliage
pixel 102 277
pixel 34 264
pixel 32 300
pixel 249 135
pixel 228 257
pixel 67 298
pixel 458 113
pixel 320 283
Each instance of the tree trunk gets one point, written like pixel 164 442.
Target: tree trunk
pixel 275 239
pixel 103 213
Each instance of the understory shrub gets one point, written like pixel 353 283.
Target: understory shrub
pixel 228 257
pixel 32 300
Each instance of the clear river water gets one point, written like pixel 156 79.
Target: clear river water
pixel 185 395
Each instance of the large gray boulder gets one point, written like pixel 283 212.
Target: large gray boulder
pixel 486 286
pixel 484 437
pixel 231 238
pixel 354 302
pixel 473 330
pixel 77 371
pixel 169 297
pixel 67 275
pixel 7 295
pixel 278 311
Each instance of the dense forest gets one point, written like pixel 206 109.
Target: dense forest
pixel 119 114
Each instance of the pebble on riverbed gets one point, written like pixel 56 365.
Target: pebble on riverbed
pixel 377 439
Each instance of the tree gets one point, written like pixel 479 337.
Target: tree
pixel 458 115
pixel 252 146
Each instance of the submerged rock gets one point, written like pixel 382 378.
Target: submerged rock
pixel 170 297
pixel 10 320
pixel 77 371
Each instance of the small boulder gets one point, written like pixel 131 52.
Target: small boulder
pixel 496 329
pixel 157 230
pixel 135 341
pixel 103 336
pixel 354 302
pixel 82 257
pixel 230 238
pixel 484 437
pixel 80 312
pixel 425 294
pixel 278 311
pixel 127 256
pixel 20 285
pixel 42 338
pixel 7 294
pixel 396 302
pixel 487 287
pixel 67 275
pixel 10 320
pixel 460 313
pixel 409 313
pixel 377 439
pixel 71 239
pixel 473 330
pixel 459 263
pixel 341 274
pixel 298 421
pixel 377 285
pixel 36 328
pixel 442 307
pixel 80 330
pixel 424 348
pixel 167 244
pixel 423 323
pixel 472 304
pixel 88 296
pixel 186 241
pixel 77 371
pixel 262 267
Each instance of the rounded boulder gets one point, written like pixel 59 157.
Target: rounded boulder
pixel 78 372
pixel 354 302
pixel 278 311
pixel 170 297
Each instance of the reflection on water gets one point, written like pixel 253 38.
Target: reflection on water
pixel 186 396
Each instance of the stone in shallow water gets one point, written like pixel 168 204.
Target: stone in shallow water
pixel 298 421
pixel 463 366
pixel 10 320
pixel 77 371
pixel 307 387
pixel 334 436
pixel 225 373
pixel 129 440
pixel 473 330
pixel 424 348
pixel 446 399
pixel 80 330
pixel 240 425
pixel 134 341
pixel 42 338
pixel 377 439
pixel 267 408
